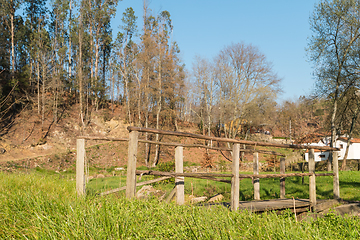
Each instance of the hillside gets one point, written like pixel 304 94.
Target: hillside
pixel 29 144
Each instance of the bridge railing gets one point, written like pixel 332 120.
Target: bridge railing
pixel 179 175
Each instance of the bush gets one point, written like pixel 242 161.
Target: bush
pixel 166 166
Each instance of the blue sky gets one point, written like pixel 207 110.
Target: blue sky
pixel 279 28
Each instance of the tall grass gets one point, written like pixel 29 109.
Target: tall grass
pixel 37 206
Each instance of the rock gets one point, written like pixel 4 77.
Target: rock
pixel 197 199
pixel 2 150
pixel 216 198
pixel 119 169
pixel 46 146
pixel 145 192
pixel 100 176
pixel 112 124
pixel 352 209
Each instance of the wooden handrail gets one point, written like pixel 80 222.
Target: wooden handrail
pixel 102 138
pixel 230 140
pixel 180 144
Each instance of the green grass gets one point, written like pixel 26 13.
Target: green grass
pixel 45 206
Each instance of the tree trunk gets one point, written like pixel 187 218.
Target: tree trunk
pixel 38 83
pixel 146 109
pixel 12 41
pixel 156 157
pixel 353 121
pixel 112 89
pixel 96 79
pixel 80 72
pixel 43 92
pixel 128 100
pixel 70 44
pixel 333 128
pixel 55 105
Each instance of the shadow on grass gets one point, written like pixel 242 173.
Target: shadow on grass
pixel 350 184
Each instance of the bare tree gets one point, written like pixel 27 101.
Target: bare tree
pixel 205 87
pixel 243 76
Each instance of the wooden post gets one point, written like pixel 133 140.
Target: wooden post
pixel 336 175
pixel 282 180
pixel 80 167
pixel 256 180
pixel 242 154
pixel 235 181
pixel 179 181
pixel 131 166
pixel 312 182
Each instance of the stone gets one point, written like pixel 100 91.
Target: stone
pixel 194 200
pixel 216 198
pixel 145 192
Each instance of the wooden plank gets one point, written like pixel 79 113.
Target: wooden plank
pixel 282 180
pixel 324 174
pixel 137 184
pixel 131 165
pixel 171 195
pixel 312 181
pixel 336 187
pixel 275 204
pixel 256 181
pixel 213 175
pixel 283 175
pixel 230 140
pixel 235 184
pixel 325 204
pixel 80 167
pixel 215 179
pixel 179 181
pixel 191 175
pixel 194 175
pixel 103 138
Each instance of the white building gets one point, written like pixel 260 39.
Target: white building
pixel 341 143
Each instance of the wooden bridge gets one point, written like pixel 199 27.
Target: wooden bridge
pixel 233 178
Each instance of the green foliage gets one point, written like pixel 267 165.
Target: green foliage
pixel 166 166
pixel 35 206
pixel 222 165
pixel 188 164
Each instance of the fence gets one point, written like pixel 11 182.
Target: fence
pixel 179 175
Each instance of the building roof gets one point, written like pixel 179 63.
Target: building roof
pixel 311 138
pixel 315 150
pixel 353 140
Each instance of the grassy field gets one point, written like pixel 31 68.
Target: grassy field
pixel 44 206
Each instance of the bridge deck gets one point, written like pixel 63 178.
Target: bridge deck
pixel 301 205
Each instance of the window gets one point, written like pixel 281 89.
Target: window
pixel 341 146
